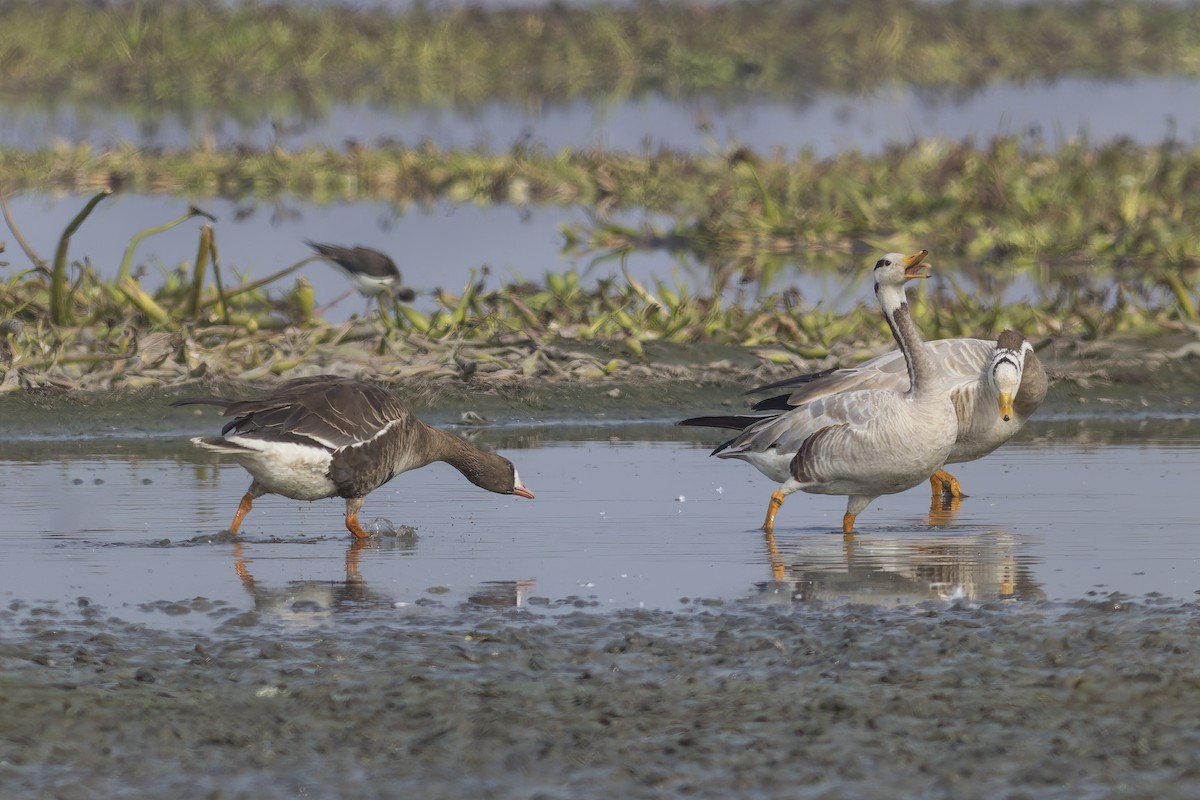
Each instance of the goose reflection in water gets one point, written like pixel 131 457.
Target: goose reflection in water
pixel 943 509
pixel 892 570
pixel 503 594
pixel 309 599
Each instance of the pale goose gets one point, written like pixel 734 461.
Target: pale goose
pixel 864 443
pixel 328 436
pixel 982 376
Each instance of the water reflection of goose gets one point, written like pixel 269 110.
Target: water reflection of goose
pixel 306 598
pixel 328 436
pixel 311 599
pixel 982 375
pixel 900 570
pixel 502 594
pixel 863 443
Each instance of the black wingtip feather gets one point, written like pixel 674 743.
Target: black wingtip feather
pixel 722 446
pixel 780 402
pixel 795 380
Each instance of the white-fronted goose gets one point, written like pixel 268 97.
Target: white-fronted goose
pixel 863 443
pixel 328 436
pixel 982 376
pixel 371 271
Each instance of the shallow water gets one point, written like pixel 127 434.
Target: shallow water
pixel 626 516
pixel 145 655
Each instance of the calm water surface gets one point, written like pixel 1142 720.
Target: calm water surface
pixel 1146 110
pixel 623 518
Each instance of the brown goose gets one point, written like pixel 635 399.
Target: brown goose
pixel 328 436
pixel 983 376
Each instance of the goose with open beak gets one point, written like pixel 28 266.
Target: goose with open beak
pixel 996 387
pixel 864 443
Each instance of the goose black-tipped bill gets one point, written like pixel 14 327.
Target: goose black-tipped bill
pixel 913 265
pixel 1006 406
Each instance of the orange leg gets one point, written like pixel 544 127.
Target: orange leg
pixel 242 510
pixel 944 484
pixel 356 529
pixel 353 504
pixel 848 523
pixel 776 501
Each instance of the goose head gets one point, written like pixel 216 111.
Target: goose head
pixel 496 474
pixel 1007 365
pixel 894 269
pixel 892 272
pixel 519 488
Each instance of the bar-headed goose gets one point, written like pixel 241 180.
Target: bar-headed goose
pixel 983 376
pixel 863 443
pixel 328 436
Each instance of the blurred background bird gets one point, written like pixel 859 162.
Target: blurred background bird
pixel 373 274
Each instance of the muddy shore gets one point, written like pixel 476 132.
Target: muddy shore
pixel 1117 374
pixel 1092 699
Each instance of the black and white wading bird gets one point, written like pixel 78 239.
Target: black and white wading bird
pixel 863 443
pixel 328 436
pixel 982 375
pixel 372 273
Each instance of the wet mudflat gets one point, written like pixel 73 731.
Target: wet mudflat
pixel 1092 699
pixel 629 633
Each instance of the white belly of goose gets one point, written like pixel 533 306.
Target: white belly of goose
pixel 291 470
pixel 890 454
pixel 771 462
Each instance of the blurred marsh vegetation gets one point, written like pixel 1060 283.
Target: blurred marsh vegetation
pixel 1107 229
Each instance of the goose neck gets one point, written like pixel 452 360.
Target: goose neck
pixel 921 371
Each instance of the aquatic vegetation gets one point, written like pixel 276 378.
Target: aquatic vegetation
pixel 1007 200
pixel 68 327
pixel 1106 233
pixel 301 60
pixel 744 214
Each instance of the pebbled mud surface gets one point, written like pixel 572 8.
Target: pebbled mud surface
pixel 1094 699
